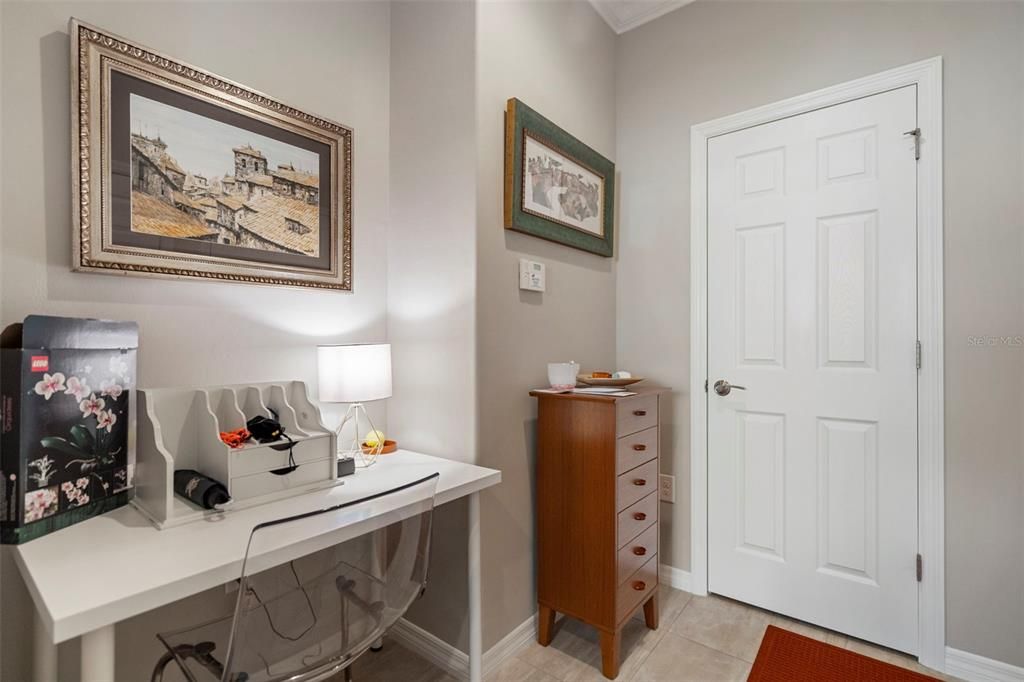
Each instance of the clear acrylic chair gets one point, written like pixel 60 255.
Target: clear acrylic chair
pixel 305 611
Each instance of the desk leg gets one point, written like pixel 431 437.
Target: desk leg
pixel 98 655
pixel 475 624
pixel 44 653
pixel 378 547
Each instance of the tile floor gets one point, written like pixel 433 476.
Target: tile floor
pixel 703 639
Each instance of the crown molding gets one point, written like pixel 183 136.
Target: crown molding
pixel 624 15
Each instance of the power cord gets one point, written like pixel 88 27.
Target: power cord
pixel 270 619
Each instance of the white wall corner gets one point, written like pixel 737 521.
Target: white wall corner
pixel 510 645
pixel 437 651
pixel 454 661
pixel 974 668
pixel 675 578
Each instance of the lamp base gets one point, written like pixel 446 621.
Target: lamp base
pixel 355 450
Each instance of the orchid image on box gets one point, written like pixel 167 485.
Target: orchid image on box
pixel 92 405
pixel 118 366
pixel 91 442
pixel 110 388
pixel 89 448
pixel 77 493
pixel 106 420
pixel 40 503
pixel 44 470
pixel 77 388
pixel 50 384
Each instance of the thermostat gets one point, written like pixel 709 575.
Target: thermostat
pixel 531 275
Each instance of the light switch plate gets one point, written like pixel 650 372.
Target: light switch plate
pixel 531 275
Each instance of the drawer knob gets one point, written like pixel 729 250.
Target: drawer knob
pixel 640 413
pixel 640 516
pixel 639 586
pixel 640 481
pixel 639 551
pixel 639 447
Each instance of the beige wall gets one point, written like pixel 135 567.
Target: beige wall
pixel 472 344
pixel 431 259
pixel 328 58
pixel 713 59
pixel 432 270
pixel 558 58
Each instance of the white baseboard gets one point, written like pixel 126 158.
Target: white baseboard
pixel 674 577
pixel 437 651
pixel 456 662
pixel 451 659
pixel 961 664
pixel 510 645
pixel 975 668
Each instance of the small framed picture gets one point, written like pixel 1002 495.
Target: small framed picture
pixel 556 187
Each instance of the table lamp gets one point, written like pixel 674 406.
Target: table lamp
pixel 355 374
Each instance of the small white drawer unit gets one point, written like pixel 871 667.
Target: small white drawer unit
pixel 179 428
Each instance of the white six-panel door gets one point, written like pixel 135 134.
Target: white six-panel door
pixel 812 469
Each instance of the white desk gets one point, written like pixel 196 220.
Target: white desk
pixel 135 567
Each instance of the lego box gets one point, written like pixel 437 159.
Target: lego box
pixel 66 436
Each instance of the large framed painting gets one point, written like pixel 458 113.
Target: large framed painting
pixel 181 173
pixel 556 187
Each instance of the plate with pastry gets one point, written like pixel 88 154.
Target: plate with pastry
pixel 619 378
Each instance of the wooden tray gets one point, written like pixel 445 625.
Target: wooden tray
pixel 592 381
pixel 389 447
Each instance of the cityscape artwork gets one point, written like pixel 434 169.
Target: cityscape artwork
pixel 556 187
pixel 562 190
pixel 181 173
pixel 197 178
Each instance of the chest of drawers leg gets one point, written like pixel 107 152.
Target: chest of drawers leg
pixel 597 514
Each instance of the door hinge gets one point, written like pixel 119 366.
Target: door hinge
pixel 920 568
pixel 916 132
pixel 917 354
pixel 705 385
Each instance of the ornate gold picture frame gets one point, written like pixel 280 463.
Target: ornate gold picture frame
pixel 178 172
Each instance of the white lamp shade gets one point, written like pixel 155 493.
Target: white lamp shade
pixel 354 374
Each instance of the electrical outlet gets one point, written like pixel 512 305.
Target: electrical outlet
pixel 667 488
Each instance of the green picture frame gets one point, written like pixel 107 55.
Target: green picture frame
pixel 556 187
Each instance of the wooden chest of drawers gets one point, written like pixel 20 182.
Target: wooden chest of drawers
pixel 597 513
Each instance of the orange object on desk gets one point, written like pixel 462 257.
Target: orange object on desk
pixel 236 438
pixel 386 448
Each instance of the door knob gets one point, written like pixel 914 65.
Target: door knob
pixel 723 387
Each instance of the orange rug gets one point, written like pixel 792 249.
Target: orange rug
pixel 785 656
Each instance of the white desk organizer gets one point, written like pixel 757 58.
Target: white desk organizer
pixel 179 428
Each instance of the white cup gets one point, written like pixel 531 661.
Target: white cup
pixel 562 375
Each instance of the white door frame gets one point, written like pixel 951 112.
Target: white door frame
pixel 927 76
